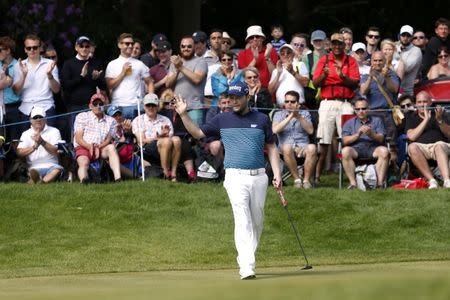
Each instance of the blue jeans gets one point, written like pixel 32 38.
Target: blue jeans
pixel 130 112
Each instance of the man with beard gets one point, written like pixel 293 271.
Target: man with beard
pixel 187 77
pixel 245 177
pixel 159 71
pixel 411 56
pixel 124 77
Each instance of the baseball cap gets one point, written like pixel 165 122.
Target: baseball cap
pixel 158 38
pixel 37 111
pixel 287 46
pixel 337 37
pixel 163 46
pixel 97 96
pixel 82 39
pixel 406 29
pixel 112 110
pixel 238 89
pixel 318 35
pixel 358 46
pixel 151 98
pixel 199 37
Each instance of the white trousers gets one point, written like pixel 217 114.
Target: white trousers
pixel 247 196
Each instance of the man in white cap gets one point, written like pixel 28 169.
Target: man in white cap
pixel 263 57
pixel 359 53
pixel 411 56
pixel 39 145
pixel 155 133
pixel 287 78
pixel 227 41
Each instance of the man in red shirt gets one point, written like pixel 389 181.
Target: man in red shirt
pixel 337 74
pixel 263 57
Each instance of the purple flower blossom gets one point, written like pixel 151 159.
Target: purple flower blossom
pixel 68 44
pixel 78 11
pixel 14 11
pixel 73 30
pixel 63 35
pixel 70 9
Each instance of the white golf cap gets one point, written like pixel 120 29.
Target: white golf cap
pixel 407 29
pixel 358 46
pixel 37 111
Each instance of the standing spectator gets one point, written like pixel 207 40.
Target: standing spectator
pixel 380 87
pixel 10 99
pixel 245 177
pixel 80 77
pixel 227 41
pixel 260 98
pixel 226 75
pixel 300 43
pixel 94 132
pixel 263 57
pixel 160 71
pixel 200 43
pixel 362 137
pixel 293 126
pixel 124 77
pixel 393 62
pixel 359 54
pixel 411 58
pixel 441 29
pixel 442 68
pixel 150 58
pixel 277 31
pixel 310 60
pixel 420 40
pixel 155 133
pixel 285 78
pixel 429 133
pixel 212 58
pixel 347 33
pixel 187 77
pixel 36 81
pixel 337 74
pixel 372 39
pixel 39 145
pixel 5 81
pixel 137 49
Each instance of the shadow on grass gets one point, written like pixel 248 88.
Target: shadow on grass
pixel 300 272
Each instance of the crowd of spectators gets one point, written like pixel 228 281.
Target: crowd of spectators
pixel 304 84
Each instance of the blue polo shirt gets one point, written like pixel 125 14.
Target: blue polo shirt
pixel 353 125
pixel 375 97
pixel 243 137
pixel 9 97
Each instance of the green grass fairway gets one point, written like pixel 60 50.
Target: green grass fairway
pixel 415 280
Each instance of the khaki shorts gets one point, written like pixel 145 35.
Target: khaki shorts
pixel 330 113
pixel 428 149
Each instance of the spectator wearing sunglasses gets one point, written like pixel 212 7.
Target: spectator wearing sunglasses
pixel 39 146
pixel 442 68
pixel 420 40
pixel 372 41
pixel 411 58
pixel 227 74
pixel 36 81
pixel 299 41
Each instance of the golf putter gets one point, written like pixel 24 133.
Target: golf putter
pixel 297 235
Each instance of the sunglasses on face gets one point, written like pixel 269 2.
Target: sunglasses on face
pixel 419 37
pixel 405 34
pixel 251 77
pixel 226 42
pixel 128 44
pixel 186 46
pixel 299 45
pixel 150 105
pixel 32 48
pixel 51 57
pixel 443 56
pixel 372 36
pixel 37 117
pixel 360 108
pixel 406 105
pixel 290 101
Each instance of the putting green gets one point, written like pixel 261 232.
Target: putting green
pixel 409 280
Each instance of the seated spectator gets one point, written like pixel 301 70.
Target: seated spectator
pixel 94 131
pixel 154 132
pixel 213 144
pixel 406 103
pixel 293 127
pixel 224 76
pixel 180 132
pixel 442 68
pixel 287 78
pixel 123 141
pixel 260 98
pixel 429 133
pixel 39 145
pixel 362 138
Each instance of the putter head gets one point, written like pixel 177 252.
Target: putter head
pixel 307 267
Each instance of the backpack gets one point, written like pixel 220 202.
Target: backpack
pixel 366 177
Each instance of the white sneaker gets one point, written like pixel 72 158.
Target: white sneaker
pixel 447 184
pixel 298 183
pixel 433 184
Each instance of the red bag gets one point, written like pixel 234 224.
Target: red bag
pixel 417 183
pixel 125 152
